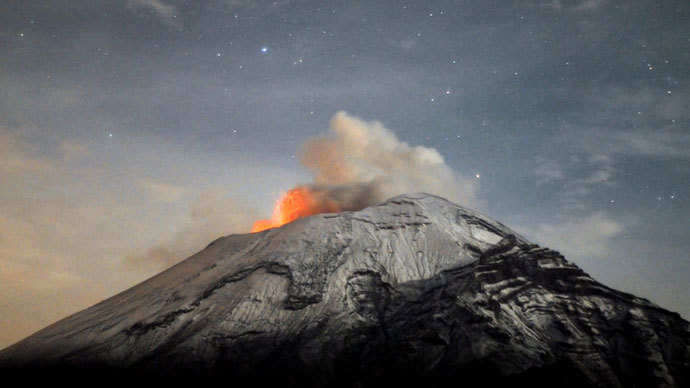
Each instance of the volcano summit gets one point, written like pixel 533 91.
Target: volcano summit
pixel 416 291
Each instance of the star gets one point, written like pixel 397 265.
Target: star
pixel 477 175
pixel 264 49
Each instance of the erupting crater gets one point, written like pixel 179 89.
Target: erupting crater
pixel 296 203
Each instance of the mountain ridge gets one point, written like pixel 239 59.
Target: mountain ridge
pixel 414 288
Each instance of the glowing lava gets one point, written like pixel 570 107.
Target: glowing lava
pixel 296 203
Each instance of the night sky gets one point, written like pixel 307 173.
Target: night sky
pixel 133 133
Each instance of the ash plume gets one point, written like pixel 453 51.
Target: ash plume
pixel 355 165
pixel 359 163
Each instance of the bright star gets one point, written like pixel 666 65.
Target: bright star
pixel 264 49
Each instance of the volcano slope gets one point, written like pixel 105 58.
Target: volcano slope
pixel 417 291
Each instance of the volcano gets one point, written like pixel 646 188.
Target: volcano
pixel 416 291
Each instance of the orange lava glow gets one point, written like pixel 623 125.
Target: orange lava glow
pixel 296 203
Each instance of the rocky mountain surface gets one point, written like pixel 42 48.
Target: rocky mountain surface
pixel 417 291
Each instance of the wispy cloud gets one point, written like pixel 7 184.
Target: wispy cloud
pixel 578 237
pixel 631 120
pixel 571 6
pixel 161 8
pixel 578 177
pixel 548 170
pixel 658 143
pixel 161 191
pixel 72 150
pixel 62 228
pixel 212 214
pixel 600 169
pixel 588 5
pixel 18 156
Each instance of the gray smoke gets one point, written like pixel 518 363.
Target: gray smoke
pixel 361 163
pixel 357 164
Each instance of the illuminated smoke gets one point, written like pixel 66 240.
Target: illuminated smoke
pixel 359 164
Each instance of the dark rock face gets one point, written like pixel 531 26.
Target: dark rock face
pixel 415 292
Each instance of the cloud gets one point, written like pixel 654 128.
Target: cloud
pixel 633 103
pixel 70 236
pixel 548 170
pixel 61 231
pixel 570 6
pixel 253 5
pixel 72 150
pixel 33 285
pixel 578 237
pixel 357 164
pixel 213 214
pixel 589 5
pixel 650 143
pixel 158 6
pixel 406 45
pixel 162 192
pixel 18 156
pixel 600 169
pixel 44 240
pixel 366 160
pixel 578 178
pixel 636 120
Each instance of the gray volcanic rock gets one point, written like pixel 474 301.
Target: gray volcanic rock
pixel 417 290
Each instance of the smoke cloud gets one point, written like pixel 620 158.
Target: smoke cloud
pixel 361 163
pixel 213 214
pixel 357 164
